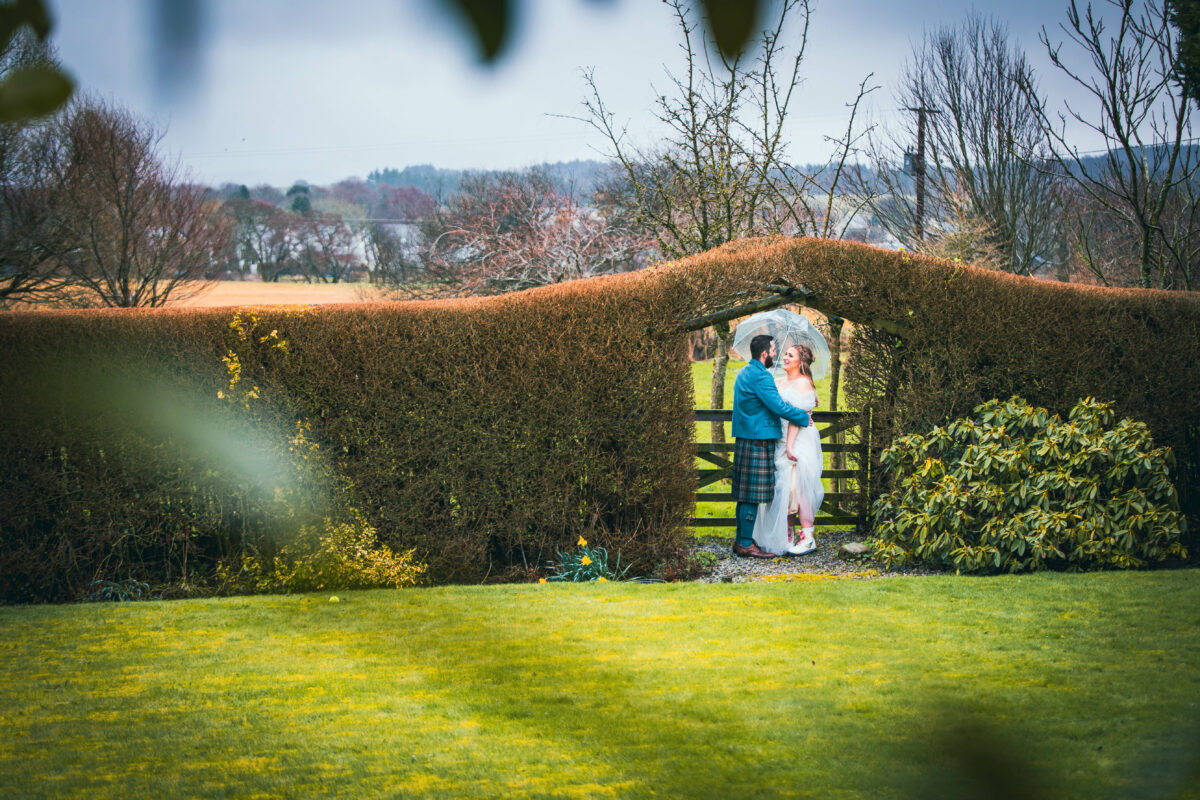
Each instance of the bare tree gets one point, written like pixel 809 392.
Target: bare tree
pixel 268 237
pixel 29 88
pixel 709 181
pixel 240 210
pixel 392 259
pixel 965 237
pixel 722 172
pixel 508 231
pixel 391 237
pixel 135 233
pixel 983 148
pixel 326 252
pixel 30 248
pixel 1138 201
pixel 402 203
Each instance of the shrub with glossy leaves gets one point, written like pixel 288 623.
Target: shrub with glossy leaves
pixel 1016 488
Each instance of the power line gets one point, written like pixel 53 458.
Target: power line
pixel 1106 150
pixel 365 219
pixel 351 148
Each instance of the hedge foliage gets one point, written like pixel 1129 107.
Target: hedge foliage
pixel 486 434
pixel 1016 489
pixel 483 434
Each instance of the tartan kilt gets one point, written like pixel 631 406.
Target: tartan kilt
pixel 754 470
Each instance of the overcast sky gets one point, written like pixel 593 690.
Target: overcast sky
pixel 304 89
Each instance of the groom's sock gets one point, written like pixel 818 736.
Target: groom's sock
pixel 747 513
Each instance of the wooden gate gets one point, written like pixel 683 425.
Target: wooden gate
pixel 847 502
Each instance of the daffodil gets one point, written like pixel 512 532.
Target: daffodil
pixel 602 579
pixel 585 561
pixel 541 580
pixel 582 542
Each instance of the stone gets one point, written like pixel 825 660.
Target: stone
pixel 854 550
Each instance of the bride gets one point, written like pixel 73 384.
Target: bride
pixel 798 464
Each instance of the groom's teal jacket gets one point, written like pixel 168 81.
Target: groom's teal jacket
pixel 757 405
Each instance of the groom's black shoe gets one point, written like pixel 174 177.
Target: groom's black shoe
pixel 751 552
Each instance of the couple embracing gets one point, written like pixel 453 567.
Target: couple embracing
pixel 777 457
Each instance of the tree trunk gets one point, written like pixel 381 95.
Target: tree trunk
pixel 1147 261
pixel 835 379
pixel 720 362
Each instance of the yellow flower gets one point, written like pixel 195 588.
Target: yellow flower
pixel 585 561
pixel 602 579
pixel 582 542
pixel 541 580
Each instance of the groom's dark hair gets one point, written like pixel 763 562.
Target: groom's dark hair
pixel 759 345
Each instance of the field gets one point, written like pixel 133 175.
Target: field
pixel 250 293
pixel 1040 686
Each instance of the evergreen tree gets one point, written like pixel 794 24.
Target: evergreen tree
pixel 1185 16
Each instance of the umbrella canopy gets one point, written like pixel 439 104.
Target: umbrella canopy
pixel 787 328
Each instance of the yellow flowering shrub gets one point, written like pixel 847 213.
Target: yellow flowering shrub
pixel 345 555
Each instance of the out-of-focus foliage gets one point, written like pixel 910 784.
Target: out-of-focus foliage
pixel 30 90
pixel 731 23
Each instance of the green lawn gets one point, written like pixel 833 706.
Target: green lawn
pixel 1051 685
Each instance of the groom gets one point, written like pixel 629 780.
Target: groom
pixel 757 408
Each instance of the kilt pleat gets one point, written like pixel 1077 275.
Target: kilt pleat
pixel 754 470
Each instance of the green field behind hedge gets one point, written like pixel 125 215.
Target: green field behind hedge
pixel 1050 685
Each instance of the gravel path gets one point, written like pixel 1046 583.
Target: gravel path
pixel 823 563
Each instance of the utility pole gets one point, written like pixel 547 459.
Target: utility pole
pixel 917 166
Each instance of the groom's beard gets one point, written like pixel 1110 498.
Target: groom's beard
pixel 769 362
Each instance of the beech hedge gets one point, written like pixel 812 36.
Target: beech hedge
pixel 485 434
pixel 481 433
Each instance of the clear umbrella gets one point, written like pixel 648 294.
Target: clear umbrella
pixel 787 328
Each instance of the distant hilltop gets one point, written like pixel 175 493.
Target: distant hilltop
pixel 579 177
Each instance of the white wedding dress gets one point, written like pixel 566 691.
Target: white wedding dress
pixel 797 483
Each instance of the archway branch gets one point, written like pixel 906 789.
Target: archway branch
pixel 787 295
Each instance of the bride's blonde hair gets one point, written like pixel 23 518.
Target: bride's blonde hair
pixel 804 358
